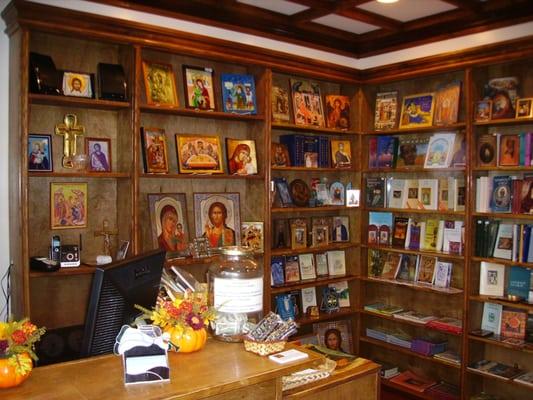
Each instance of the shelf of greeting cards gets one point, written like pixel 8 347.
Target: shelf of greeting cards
pixel 505 121
pixel 197 113
pixel 413 286
pixel 317 249
pixel 309 169
pixel 521 346
pixel 83 269
pixel 412 393
pixel 78 102
pixel 402 250
pixel 406 351
pixel 175 175
pixel 501 300
pixel 506 262
pixel 281 210
pixel 510 382
pixel 412 169
pixel 311 283
pixel 414 211
pixel 325 316
pixel 80 174
pixel 312 129
pixel 503 215
pixel 427 129
pixel 406 322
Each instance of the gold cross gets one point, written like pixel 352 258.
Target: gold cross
pixel 106 233
pixel 70 130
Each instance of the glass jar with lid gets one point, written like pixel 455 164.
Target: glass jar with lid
pixel 236 291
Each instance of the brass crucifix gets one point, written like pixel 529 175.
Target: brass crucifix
pixel 70 130
pixel 106 233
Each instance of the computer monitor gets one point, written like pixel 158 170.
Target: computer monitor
pixel 116 289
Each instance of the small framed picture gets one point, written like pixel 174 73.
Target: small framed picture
pixel 352 197
pixel 320 235
pixel 154 142
pixel 337 194
pixel 199 154
pixel 281 238
pixel 524 108
pixel 280 155
pixel 283 195
pixel 238 93
pixel 298 236
pixel 122 251
pixel 68 205
pixel 99 152
pixel 417 110
pixel 168 215
pixel 483 110
pixel 341 153
pixel 198 84
pixel 78 84
pixel 338 112
pixel 160 84
pixel 200 247
pixel 40 153
pixel 242 158
pixel 341 229
pixel 252 235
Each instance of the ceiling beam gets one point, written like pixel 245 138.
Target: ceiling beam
pixel 372 19
pixel 467 5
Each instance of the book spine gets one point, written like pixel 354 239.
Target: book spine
pixel 522 153
pixel 527 160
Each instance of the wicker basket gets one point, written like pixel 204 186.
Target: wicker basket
pixel 263 348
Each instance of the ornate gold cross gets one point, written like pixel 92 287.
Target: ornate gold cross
pixel 70 130
pixel 106 233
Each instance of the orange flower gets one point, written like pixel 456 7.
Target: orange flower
pixel 28 328
pixel 19 337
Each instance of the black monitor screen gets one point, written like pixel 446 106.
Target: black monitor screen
pixel 116 289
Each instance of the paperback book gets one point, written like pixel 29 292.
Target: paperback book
pixel 412 151
pixel 492 317
pixel 375 192
pixel 440 150
pixel 386 110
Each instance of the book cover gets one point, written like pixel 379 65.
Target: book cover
pixel 397 192
pixel 411 200
pixel 428 193
pixel 238 93
pixel 295 146
pixel 440 149
pixel 285 306
pixel 443 273
pixel 486 154
pixel 412 150
pixel 376 262
pixel 308 296
pixel 399 231
pixel 390 266
pixel 526 196
pixel 501 194
pixel 307 266
pixel 280 104
pixel 491 279
pixel 375 192
pixel 321 264
pixel 412 381
pixel 292 269
pixel 343 291
pixel 504 371
pixel 503 246
pixel 447 104
pixel 443 194
pixel 386 110
pixel 519 282
pixel 277 267
pixel 492 317
pixel 337 112
pixel 513 324
pixel 336 262
pixel 459 192
pixel 288 356
pixel 386 151
pixel 509 148
pixel 426 270
pixel 307 103
pixel 525 379
pixel 414 234
pixel 373 152
pixel 429 241
pixel 383 223
pixel 453 237
pixel 406 268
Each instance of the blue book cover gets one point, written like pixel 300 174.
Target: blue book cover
pixel 519 281
pixel 324 152
pixel 295 145
pixel 386 151
pixel 277 266
pixel 501 199
pixel 379 227
pixel 285 306
pixel 526 235
pixel 238 93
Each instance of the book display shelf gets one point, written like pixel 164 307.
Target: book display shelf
pixel 409 262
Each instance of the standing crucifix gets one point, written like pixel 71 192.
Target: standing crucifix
pixel 106 233
pixel 70 130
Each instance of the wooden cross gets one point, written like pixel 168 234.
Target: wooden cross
pixel 70 130
pixel 106 233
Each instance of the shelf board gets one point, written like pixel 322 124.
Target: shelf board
pixel 310 283
pixel 510 169
pixel 281 210
pixel 178 262
pixel 311 129
pixel 505 121
pixel 78 102
pixel 80 174
pixel 498 379
pixel 427 129
pixel 503 215
pixel 500 343
pixel 403 350
pixel 406 322
pixel 83 269
pixel 391 249
pixel 507 263
pixel 342 313
pixel 413 169
pixel 415 211
pixel 308 169
pixel 173 175
pixel 189 112
pixel 490 299
pixel 410 285
pixel 320 249
pixel 388 383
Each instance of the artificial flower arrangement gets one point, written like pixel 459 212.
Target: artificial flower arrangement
pixel 184 317
pixel 17 345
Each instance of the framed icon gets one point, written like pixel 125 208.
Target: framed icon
pixel 155 154
pixel 524 108
pixel 99 152
pixel 40 153
pixel 417 111
pixel 241 156
pixel 68 205
pixel 199 154
pixel 160 84
pixel 78 84
pixel 198 84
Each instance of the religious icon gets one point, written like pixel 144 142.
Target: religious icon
pixel 70 130
pixel 417 111
pixel 338 112
pixel 106 233
pixel 99 151
pixel 238 93
pixel 78 84
pixel 40 153
pixel 160 84
pixel 198 84
pixel 199 154
pixel 68 205
pixel 242 158
pixel 154 142
pixel 307 103
pixel 252 235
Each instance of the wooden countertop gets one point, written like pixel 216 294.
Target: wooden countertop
pixel 218 368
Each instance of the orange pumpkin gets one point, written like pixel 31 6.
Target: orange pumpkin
pixel 8 376
pixel 188 339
